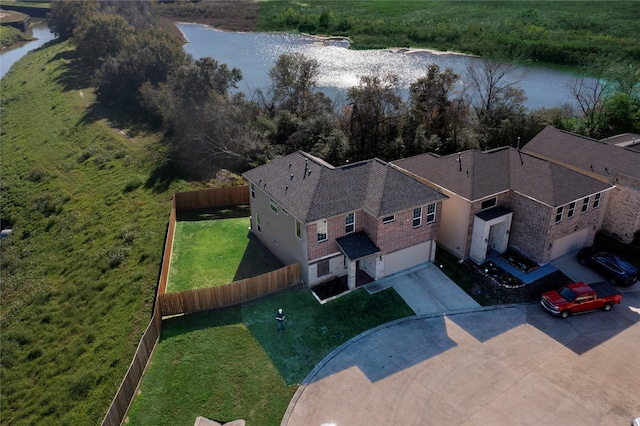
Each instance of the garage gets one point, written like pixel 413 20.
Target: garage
pixel 571 242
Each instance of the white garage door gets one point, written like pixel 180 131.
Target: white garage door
pixel 571 242
pixel 407 258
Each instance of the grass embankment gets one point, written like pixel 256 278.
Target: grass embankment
pixel 89 208
pixel 211 253
pixel 232 364
pixel 569 33
pixel 10 36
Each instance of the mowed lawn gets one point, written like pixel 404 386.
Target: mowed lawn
pixel 215 252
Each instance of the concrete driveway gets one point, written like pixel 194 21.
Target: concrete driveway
pixel 503 365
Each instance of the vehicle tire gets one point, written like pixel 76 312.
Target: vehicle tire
pixel 607 306
pixel 613 282
pixel 582 261
pixel 564 314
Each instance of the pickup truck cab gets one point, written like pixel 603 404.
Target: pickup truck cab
pixel 580 297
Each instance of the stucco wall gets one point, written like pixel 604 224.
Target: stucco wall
pixel 622 219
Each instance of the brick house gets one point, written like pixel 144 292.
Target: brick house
pixel 614 161
pixel 362 218
pixel 506 198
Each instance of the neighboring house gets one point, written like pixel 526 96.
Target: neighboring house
pixel 615 161
pixel 506 198
pixel 335 221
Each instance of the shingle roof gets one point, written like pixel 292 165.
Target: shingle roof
pixel 585 153
pixel 475 175
pixel 311 189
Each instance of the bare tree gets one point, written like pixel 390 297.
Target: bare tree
pixel 590 95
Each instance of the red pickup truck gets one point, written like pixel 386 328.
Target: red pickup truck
pixel 580 297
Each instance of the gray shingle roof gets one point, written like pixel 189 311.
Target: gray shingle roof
pixel 475 175
pixel 311 189
pixel 585 153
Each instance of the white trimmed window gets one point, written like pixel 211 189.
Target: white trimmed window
pixel 253 191
pixel 572 210
pixel 298 229
pixel 417 217
pixel 559 213
pixel 389 219
pixel 487 204
pixel 273 206
pixel 596 200
pixel 258 223
pixel 431 213
pixel 350 223
pixel 585 205
pixel 322 230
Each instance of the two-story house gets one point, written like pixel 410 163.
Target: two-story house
pixel 336 221
pixel 506 198
pixel 615 161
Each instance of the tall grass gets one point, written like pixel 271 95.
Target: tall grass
pixel 79 271
pixel 566 32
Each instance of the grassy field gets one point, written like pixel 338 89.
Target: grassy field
pixel 566 32
pixel 211 253
pixel 88 205
pixel 233 364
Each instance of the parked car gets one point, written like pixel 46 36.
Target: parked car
pixel 616 269
pixel 580 297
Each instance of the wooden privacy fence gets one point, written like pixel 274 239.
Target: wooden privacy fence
pixel 124 396
pixel 194 300
pixel 185 302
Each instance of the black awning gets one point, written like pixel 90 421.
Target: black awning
pixel 493 213
pixel 357 246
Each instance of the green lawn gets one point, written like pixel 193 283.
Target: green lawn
pixel 232 363
pixel 210 253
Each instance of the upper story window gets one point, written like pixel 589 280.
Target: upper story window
pixel 491 202
pixel 253 191
pixel 350 223
pixel 596 200
pixel 389 219
pixel 559 213
pixel 258 223
pixel 572 210
pixel 273 206
pixel 322 230
pixel 298 229
pixel 417 217
pixel 585 205
pixel 284 211
pixel 431 213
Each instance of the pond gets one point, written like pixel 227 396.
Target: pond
pixel 9 57
pixel 340 68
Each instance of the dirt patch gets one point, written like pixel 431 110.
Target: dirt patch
pixel 230 15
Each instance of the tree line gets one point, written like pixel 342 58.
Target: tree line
pixel 138 65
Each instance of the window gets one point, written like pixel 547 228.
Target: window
pixel 491 202
pixel 389 219
pixel 322 230
pixel 559 214
pixel 431 213
pixel 298 229
pixel 284 211
pixel 323 268
pixel 417 217
pixel 274 206
pixel 585 205
pixel 596 200
pixel 571 211
pixel 350 223
pixel 253 191
pixel 258 223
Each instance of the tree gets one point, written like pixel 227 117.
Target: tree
pixel 590 95
pixel 66 15
pixel 373 117
pixel 495 101
pixel 102 36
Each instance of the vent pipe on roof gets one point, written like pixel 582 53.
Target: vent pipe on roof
pixel 606 170
pixel 460 161
pixel 591 167
pixel 518 143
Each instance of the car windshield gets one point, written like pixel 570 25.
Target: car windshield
pixel 567 294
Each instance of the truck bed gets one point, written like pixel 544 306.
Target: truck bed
pixel 604 289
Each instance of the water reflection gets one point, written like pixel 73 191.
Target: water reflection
pixel 340 68
pixel 10 57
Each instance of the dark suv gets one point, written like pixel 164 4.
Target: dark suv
pixel 617 270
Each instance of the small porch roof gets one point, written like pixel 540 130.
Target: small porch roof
pixel 493 213
pixel 357 246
